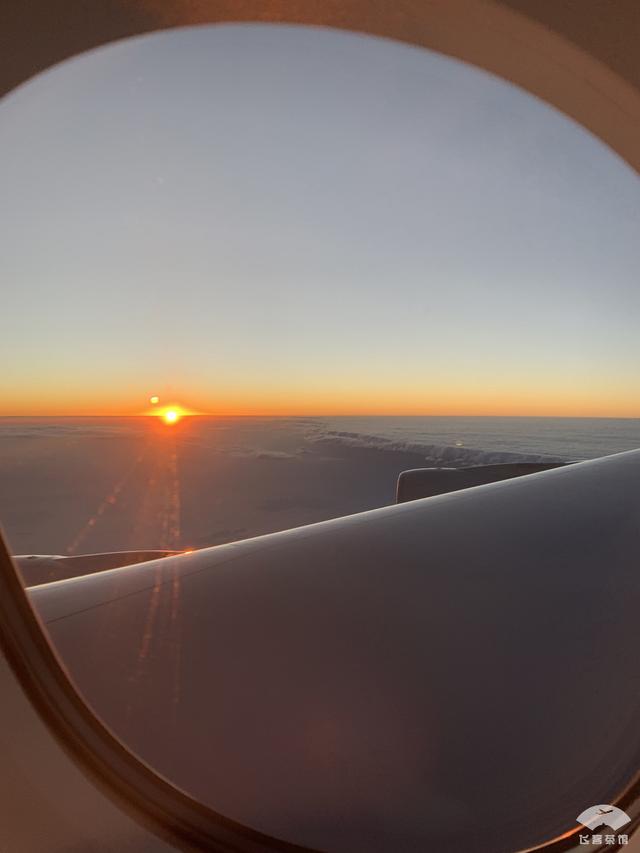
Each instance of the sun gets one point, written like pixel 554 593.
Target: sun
pixel 169 413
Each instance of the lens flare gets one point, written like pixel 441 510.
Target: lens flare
pixel 154 400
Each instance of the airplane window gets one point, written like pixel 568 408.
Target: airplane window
pixel 252 274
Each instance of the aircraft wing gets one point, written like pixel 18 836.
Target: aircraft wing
pixel 455 673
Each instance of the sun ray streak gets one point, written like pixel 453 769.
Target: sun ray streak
pixel 146 640
pixel 162 623
pixel 109 501
pixel 175 626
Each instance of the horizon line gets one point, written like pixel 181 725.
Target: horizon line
pixel 319 415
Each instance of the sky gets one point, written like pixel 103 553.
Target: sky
pixel 259 219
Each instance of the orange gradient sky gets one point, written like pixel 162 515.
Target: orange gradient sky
pixel 455 398
pixel 391 232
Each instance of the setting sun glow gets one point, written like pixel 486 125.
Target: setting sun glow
pixel 170 413
pixel 171 416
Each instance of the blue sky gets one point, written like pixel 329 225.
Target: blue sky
pixel 285 219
